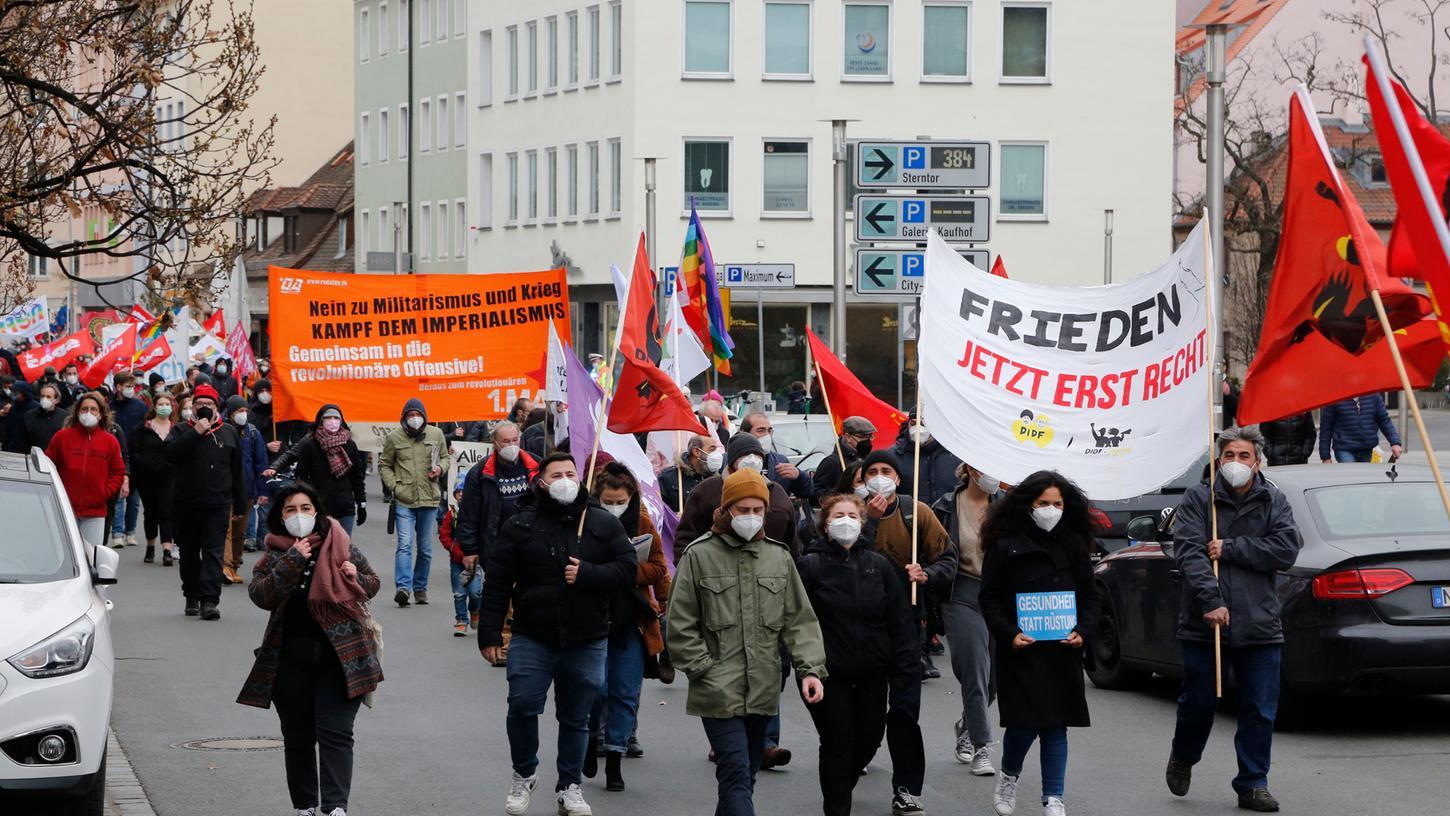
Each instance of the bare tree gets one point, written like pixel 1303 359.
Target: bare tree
pixel 81 131
pixel 1429 20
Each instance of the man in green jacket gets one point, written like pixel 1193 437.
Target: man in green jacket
pixel 413 457
pixel 737 598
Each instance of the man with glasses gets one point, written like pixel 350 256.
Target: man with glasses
pixel 778 467
pixel 857 434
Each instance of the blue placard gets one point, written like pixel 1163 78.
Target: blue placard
pixel 1047 615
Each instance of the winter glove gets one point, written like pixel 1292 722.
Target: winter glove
pixel 362 512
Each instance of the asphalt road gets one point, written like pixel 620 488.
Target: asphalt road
pixel 435 742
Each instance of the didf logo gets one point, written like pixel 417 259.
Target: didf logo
pixel 1030 428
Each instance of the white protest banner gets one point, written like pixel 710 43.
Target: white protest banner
pixel 556 371
pixel 1105 384
pixel 461 457
pixel 26 320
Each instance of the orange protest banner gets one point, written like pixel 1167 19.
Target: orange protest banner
pixel 466 345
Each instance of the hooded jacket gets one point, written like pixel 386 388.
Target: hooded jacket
pixel 341 494
pixel 22 402
pixel 408 456
pixel 208 468
pixel 1289 441
pixel 488 501
pixel 89 461
pixel 864 614
pixel 525 568
pixel 261 414
pixel 254 448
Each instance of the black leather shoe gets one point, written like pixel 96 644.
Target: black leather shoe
pixel 209 612
pixel 633 749
pixel 591 758
pixel 1259 800
pixel 193 608
pixel 1179 775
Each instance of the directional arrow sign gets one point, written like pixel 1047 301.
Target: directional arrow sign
pixel 924 165
pixel 900 271
pixel 963 219
pixel 755 276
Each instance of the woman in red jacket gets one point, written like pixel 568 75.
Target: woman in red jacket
pixel 88 459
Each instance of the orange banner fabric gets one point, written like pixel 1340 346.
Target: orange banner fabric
pixel 466 345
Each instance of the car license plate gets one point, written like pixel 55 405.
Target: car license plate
pixel 1440 597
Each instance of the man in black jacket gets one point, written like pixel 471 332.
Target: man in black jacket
pixel 1257 539
pixel 703 457
pixel 48 417
pixel 1289 441
pixel 210 489
pixel 559 583
pixel 857 434
pixel 938 465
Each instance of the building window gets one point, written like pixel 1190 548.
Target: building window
pixel 616 177
pixel 405 25
pixel 384 135
pixel 364 36
pixel 485 68
pixel 425 126
pixel 573 21
pixel 571 164
pixel 512 36
pixel 594 179
pixel 38 266
pixel 513 164
pixel 1024 42
pixel 460 229
pixel 707 174
pixel 945 41
pixel 364 138
pixel 551 165
pixel 384 35
pixel 364 235
pixel 444 245
pixel 551 32
pixel 707 37
pixel 425 231
pixel 460 122
pixel 787 39
pixel 385 232
pixel 867 41
pixel 425 20
pixel 616 40
pixel 1024 180
pixel 460 17
pixel 533 167
pixel 787 177
pixel 485 191
pixel 405 136
pixel 442 29
pixel 442 129
pixel 343 228
pixel 531 41
pixel 593 12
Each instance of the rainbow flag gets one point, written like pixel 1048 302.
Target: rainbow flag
pixel 704 311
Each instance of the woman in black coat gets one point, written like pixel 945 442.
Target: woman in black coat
pixel 153 477
pixel 1037 540
pixel 328 459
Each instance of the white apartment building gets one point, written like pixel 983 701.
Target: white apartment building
pixel 734 98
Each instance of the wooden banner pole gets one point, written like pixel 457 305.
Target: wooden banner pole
pixel 830 413
pixel 1209 337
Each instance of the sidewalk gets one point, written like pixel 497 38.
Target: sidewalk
pixel 124 796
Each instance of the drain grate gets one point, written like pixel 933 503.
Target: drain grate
pixel 232 744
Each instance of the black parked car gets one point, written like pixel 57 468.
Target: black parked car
pixel 1121 511
pixel 1366 607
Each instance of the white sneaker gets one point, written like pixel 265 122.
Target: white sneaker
pixel 1004 798
pixel 336 812
pixel 306 812
pixel 1055 807
pixel 117 541
pixel 519 793
pixel 964 744
pixel 982 761
pixel 571 802
pixel 131 542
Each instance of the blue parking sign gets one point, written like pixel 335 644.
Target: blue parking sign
pixel 913 158
pixel 913 265
pixel 734 274
pixel 913 211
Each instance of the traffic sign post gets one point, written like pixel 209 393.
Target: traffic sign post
pixel 960 218
pixel 923 165
pixel 901 271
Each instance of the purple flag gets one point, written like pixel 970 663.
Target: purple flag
pixel 584 398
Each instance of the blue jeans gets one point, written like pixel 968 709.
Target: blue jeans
pixel 617 709
pixel 466 599
pixel 772 731
pixel 416 526
pixel 739 746
pixel 346 522
pixel 577 675
pixel 1015 742
pixel 1256 684
pixel 127 510
pixel 1353 455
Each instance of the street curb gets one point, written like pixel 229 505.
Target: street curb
pixel 124 795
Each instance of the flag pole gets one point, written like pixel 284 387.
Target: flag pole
pixel 829 412
pixel 1209 281
pixel 1427 197
pixel 604 402
pixel 915 470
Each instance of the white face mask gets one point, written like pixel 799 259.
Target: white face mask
pixel 1237 474
pixel 72 379
pixel 89 420
pixel 187 414
pixel 863 491
pixel 509 453
pixel 920 434
pixel 240 418
pixel 750 462
pixel 128 393
pixel 881 485
pixel 46 403
pixel 332 424
pixel 415 422
pixel 617 510
pixel 747 526
pixel 713 460
pixel 844 530
pixel 1046 517
pixel 564 491
pixel 265 397
pixel 299 524
pixel 767 443
pixel 988 484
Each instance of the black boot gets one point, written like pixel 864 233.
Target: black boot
pixel 591 758
pixel 150 557
pixel 613 779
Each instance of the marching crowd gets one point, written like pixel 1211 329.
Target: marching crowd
pixel 847 578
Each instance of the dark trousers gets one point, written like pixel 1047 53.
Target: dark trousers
pixel 903 736
pixel 201 535
pixel 156 500
pixel 739 746
pixel 850 720
pixel 1256 683
pixel 310 694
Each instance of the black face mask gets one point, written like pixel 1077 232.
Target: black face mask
pixel 863 448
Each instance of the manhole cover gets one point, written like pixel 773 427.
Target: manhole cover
pixel 236 744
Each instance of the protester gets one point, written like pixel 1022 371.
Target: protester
pixel 743 453
pixel 210 489
pixel 1256 539
pixel 712 407
pixel 797 399
pixel 88 460
pixel 558 581
pixel 1289 441
pixel 222 380
pixel 128 411
pixel 412 460
pixel 855 441
pixel 22 402
pixel 1037 539
pixel 259 410
pixel 778 467
pixel 729 617
pixel 466 580
pixel 254 468
pixel 962 513
pixel 870 646
pixel 318 658
pixel 533 439
pixel 519 413
pixel 938 465
pixel 328 459
pixel 634 626
pixel 1352 427
pixel 1230 402
pixel 188 412
pixel 153 477
pixel 702 458
pixel 71 387
pixel 45 420
pixel 118 498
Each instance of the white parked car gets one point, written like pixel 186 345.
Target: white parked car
pixel 56 659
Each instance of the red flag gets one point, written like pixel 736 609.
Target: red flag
pixel 138 314
pixel 239 348
pixel 153 355
pixel 645 397
pixel 216 325
pixel 849 397
pixel 117 354
pixel 1320 317
pixel 59 354
pixel 998 268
